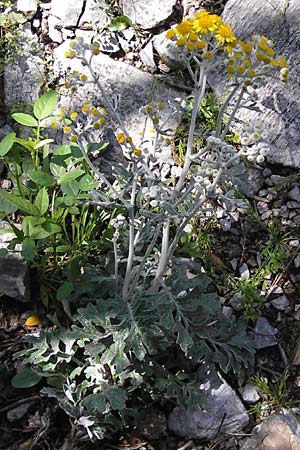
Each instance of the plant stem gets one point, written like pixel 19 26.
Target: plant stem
pixel 131 238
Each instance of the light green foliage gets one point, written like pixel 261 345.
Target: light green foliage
pixel 50 192
pixel 207 118
pixel 11 39
pixel 274 253
pixel 275 395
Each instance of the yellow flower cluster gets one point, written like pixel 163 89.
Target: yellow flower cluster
pixel 206 32
pixel 92 118
pixel 252 59
pixel 127 140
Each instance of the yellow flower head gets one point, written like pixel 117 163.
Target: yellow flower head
pixel 67 129
pixel 171 34
pixel 137 152
pixel 73 138
pixel 206 22
pixel 102 120
pixel 121 138
pixel 73 115
pixel 225 34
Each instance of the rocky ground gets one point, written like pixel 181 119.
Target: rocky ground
pixel 253 253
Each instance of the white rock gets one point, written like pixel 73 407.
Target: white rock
pixel 148 13
pixel 27 5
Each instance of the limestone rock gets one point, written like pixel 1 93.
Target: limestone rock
pixel 72 13
pixel 24 78
pixel 13 269
pixel 279 103
pixel 27 6
pixel 280 431
pixel 224 412
pixel 148 13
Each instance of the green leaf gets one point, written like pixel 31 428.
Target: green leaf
pixel 70 176
pixel 43 142
pixel 3 251
pixel 120 23
pixel 30 222
pixel 20 202
pixel 25 119
pixel 184 339
pixel 116 397
pixel 7 143
pixel 42 178
pixel 87 183
pixel 52 228
pixel 95 402
pixel 26 378
pixel 64 291
pixel 45 105
pixel 71 188
pixel 57 170
pixel 42 201
pixel 39 233
pixel 28 247
pixel 7 207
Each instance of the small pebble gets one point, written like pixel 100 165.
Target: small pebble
pixel 294 243
pixel 250 394
pixel 297 261
pixel 244 272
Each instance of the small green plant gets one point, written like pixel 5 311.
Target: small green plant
pixel 11 38
pixel 275 396
pixel 50 193
pixel 274 252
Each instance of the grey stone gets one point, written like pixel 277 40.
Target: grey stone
pixel 265 334
pixel 236 301
pixel 168 51
pixel 280 303
pixel 224 412
pixel 250 393
pixel 279 103
pixel 13 269
pixel 24 78
pixel 297 261
pixel 18 412
pixel 294 193
pixel 280 431
pixel 148 13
